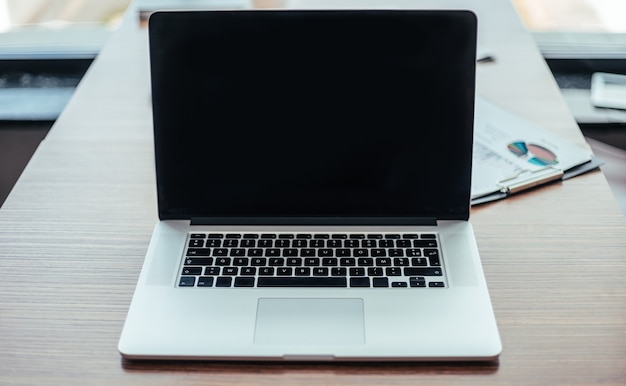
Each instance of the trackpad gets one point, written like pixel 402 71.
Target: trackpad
pixel 313 322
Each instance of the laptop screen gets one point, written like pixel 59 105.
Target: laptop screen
pixel 327 114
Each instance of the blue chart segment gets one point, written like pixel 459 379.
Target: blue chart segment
pixel 535 154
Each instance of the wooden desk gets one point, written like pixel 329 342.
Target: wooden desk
pixel 74 232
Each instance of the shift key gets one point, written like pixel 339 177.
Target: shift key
pixel 410 271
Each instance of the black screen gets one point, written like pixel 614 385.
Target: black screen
pixel 313 113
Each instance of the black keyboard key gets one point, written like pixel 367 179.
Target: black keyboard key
pixel 286 236
pixel 383 261
pixel 282 243
pixel 380 282
pixel 321 236
pixel 198 261
pixel 436 284
pixel 290 252
pixel 347 262
pixel 410 236
pixel 434 261
pixel 330 262
pixel 425 243
pixel 230 243
pixel 223 261
pixel 197 236
pixel 233 236
pixel 237 252
pixel 320 271
pixel 375 271
pixel 266 271
pixel 284 271
pixel 248 243
pixel 403 243
pixel 351 243
pixel 429 236
pixel 357 271
pixel 192 271
pixel 198 252
pixel 212 271
pixel 413 252
pixel 302 282
pixel 216 236
pixel 265 243
pixel 376 236
pixel 268 236
pixel 224 282
pixel 393 271
pixel 241 261
pixel 399 284
pixel 325 252
pixel 277 262
pixel 368 243
pixel 196 243
pixel 250 236
pixel 187 281
pixel 431 252
pixel 385 243
pixel 317 243
pixel 298 243
pixel 213 243
pixel 401 262
pixel 410 271
pixel 339 236
pixel 361 252
pixel 230 271
pixel 379 252
pixel 303 236
pixel 392 236
pixel 413 282
pixel 343 252
pixel 255 252
pixel 419 261
pixel 338 271
pixel 359 282
pixel 294 262
pixel 205 281
pixel 303 271
pixel 248 271
pixel 259 261
pixel 334 244
pixel 366 262
pixel 312 262
pixel 396 252
pixel 244 282
pixel 307 252
pixel 357 236
pixel 220 251
pixel 272 252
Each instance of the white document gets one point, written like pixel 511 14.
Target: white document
pixel 512 154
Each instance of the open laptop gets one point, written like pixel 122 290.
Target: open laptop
pixel 313 177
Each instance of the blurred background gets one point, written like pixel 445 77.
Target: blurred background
pixel 47 45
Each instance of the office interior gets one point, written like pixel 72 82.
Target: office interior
pixel 37 76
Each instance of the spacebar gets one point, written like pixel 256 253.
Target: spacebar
pixel 302 282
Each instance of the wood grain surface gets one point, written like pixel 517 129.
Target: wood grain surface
pixel 75 229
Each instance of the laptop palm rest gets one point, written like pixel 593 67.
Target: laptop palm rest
pixel 309 322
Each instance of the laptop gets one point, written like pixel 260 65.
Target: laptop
pixel 313 176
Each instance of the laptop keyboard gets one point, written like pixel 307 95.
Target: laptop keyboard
pixel 357 260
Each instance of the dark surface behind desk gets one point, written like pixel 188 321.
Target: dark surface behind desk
pixel 74 231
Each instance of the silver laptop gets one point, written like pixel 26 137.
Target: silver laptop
pixel 313 176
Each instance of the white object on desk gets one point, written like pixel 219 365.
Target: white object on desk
pixel 608 90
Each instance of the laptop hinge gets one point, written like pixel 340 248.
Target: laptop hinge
pixel 390 221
